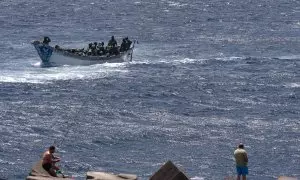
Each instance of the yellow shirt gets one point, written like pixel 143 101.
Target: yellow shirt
pixel 241 157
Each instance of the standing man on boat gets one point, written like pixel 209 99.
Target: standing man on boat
pixel 128 43
pixel 112 46
pixel 46 40
pixel 123 45
pixel 112 42
pixel 241 159
pixel 49 161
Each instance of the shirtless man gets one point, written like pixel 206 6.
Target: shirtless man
pixel 241 159
pixel 49 161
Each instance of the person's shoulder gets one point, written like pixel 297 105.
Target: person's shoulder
pixel 243 151
pixel 238 150
pixel 235 151
pixel 46 154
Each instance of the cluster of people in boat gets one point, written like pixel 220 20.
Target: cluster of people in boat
pixel 99 49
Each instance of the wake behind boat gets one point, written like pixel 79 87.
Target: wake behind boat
pixel 96 53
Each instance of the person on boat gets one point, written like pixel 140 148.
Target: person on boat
pixel 94 49
pixel 89 49
pixel 123 45
pixel 241 160
pixel 57 47
pixel 112 46
pixel 49 161
pixel 128 43
pixel 100 49
pixel 114 51
pixel 46 40
pixel 112 42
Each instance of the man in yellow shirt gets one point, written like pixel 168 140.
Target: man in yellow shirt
pixel 241 160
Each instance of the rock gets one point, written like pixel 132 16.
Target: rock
pixel 169 172
pixel 107 176
pixel 286 178
pixel 38 170
pixel 128 176
pixel 46 178
pixel 39 173
pixel 230 178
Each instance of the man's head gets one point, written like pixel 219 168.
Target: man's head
pixel 112 37
pixel 46 40
pixel 241 146
pixel 52 149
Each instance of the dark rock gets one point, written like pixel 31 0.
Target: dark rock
pixel 169 172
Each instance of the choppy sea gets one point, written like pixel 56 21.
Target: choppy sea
pixel 205 76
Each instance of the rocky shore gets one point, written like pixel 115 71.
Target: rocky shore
pixel 168 171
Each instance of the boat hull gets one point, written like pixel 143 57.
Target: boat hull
pixel 53 57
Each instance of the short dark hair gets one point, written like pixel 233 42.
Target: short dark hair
pixel 52 148
pixel 241 146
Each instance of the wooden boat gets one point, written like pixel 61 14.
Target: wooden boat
pixel 54 56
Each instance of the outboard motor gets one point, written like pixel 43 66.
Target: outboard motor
pixel 46 40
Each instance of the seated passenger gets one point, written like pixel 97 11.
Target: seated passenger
pixel 90 46
pixel 113 51
pixel 123 45
pixel 99 45
pixel 89 53
pixel 94 49
pixel 89 50
pixel 57 47
pixel 100 49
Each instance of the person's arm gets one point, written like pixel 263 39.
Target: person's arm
pixel 246 157
pixel 55 159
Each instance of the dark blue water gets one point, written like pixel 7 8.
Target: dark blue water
pixel 205 76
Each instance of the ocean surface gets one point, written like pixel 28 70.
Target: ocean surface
pixel 205 76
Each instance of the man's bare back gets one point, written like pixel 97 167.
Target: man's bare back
pixel 49 161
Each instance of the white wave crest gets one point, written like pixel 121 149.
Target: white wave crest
pixel 197 178
pixel 290 57
pixel 293 85
pixel 35 74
